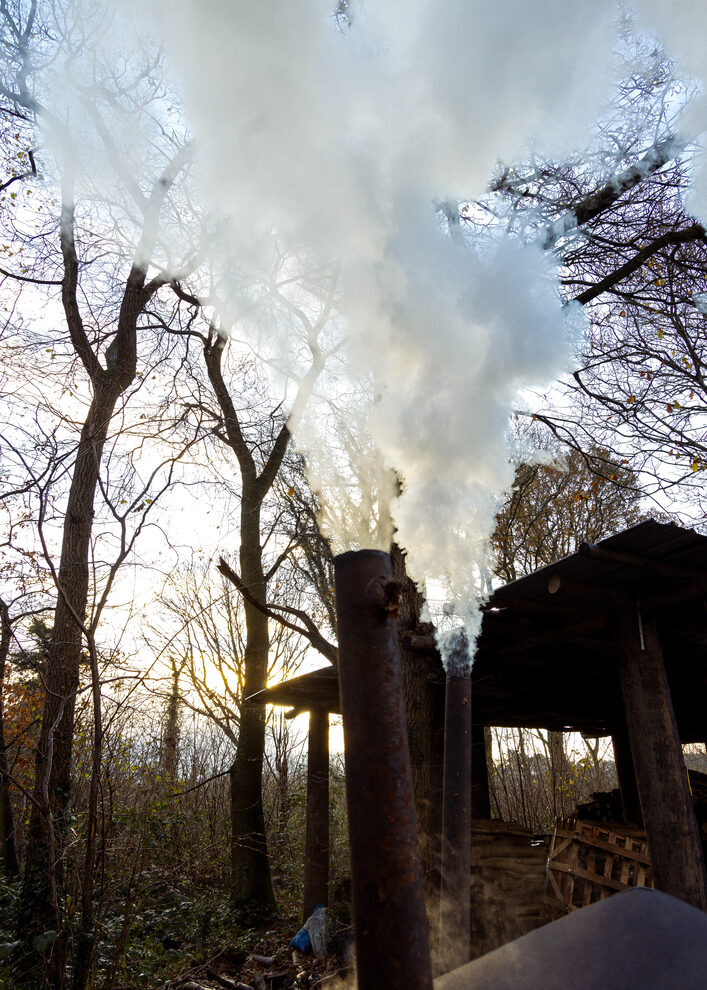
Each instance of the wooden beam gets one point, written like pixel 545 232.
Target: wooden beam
pixel 668 811
pixel 541 592
pixel 419 643
pixel 626 774
pixel 480 799
pixel 596 595
pixel 530 609
pixel 316 852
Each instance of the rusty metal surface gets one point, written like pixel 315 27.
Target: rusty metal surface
pixel 455 897
pixel 390 924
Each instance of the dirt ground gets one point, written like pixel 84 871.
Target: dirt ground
pixel 270 965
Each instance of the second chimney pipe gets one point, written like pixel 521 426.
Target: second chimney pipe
pixel 455 894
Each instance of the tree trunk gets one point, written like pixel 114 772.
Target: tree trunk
pixel 50 816
pixel 424 704
pixel 251 883
pixel 282 770
pixel 170 738
pixel 556 749
pixel 8 847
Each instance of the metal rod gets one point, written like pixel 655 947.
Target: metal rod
pixel 390 923
pixel 455 899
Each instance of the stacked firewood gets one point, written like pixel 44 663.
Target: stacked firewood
pixel 605 806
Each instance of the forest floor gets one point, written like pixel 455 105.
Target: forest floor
pixel 265 962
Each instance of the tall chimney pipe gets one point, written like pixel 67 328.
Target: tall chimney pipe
pixel 390 924
pixel 455 894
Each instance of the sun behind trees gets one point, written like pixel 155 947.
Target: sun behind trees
pixel 141 796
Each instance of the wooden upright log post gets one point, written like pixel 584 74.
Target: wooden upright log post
pixel 480 800
pixel 626 774
pixel 316 847
pixel 668 812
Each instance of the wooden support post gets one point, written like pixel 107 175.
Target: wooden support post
pixel 668 812
pixel 626 774
pixel 480 800
pixel 316 847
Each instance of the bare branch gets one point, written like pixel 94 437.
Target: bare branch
pixel 308 629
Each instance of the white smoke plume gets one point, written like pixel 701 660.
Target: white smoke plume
pixel 347 140
pixel 344 140
pixel 682 30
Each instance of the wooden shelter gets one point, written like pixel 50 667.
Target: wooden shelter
pixel 611 640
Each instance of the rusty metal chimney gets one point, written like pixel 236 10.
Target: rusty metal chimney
pixel 455 894
pixel 390 923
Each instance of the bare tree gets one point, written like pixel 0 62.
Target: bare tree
pixel 633 258
pixel 105 301
pixel 8 840
pixel 210 647
pixel 257 439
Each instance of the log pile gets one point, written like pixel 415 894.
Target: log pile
pixel 605 806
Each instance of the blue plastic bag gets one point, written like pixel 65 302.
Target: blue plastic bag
pixel 311 938
pixel 302 942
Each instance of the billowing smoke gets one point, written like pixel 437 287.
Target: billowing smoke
pixel 682 29
pixel 349 140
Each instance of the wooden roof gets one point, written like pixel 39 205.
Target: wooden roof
pixel 318 689
pixel 546 654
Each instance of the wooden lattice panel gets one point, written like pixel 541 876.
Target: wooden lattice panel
pixel 587 862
